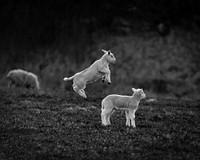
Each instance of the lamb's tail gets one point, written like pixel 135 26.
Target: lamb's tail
pixel 68 79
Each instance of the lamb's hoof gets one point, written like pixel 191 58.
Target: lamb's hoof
pixel 109 83
pixel 103 80
pixel 84 96
pixel 87 99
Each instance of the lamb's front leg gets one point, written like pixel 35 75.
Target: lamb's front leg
pixel 108 118
pixel 133 122
pixel 106 77
pixel 103 79
pixel 132 118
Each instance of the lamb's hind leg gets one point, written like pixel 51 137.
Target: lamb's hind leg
pixel 106 112
pixel 127 119
pixel 103 115
pixel 103 119
pixel 108 117
pixel 81 92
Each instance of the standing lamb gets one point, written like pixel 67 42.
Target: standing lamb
pixel 99 69
pixel 21 78
pixel 129 104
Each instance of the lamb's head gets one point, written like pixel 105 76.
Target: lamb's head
pixel 109 56
pixel 139 93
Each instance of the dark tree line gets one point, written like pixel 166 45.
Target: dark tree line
pixel 43 23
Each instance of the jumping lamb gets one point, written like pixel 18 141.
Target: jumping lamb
pixel 21 78
pixel 129 104
pixel 99 69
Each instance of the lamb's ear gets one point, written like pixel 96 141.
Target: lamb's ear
pixel 109 52
pixel 104 51
pixel 133 89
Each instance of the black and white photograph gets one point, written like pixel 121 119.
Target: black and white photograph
pixel 91 79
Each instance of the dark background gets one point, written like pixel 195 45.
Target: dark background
pixel 156 42
pixel 31 24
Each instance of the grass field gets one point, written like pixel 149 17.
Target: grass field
pixel 65 126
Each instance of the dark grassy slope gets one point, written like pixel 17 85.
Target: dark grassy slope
pixel 66 126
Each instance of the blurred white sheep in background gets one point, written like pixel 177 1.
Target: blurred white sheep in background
pixel 21 78
pixel 129 104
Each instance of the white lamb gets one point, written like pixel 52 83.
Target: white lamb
pixel 21 78
pixel 99 69
pixel 129 104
